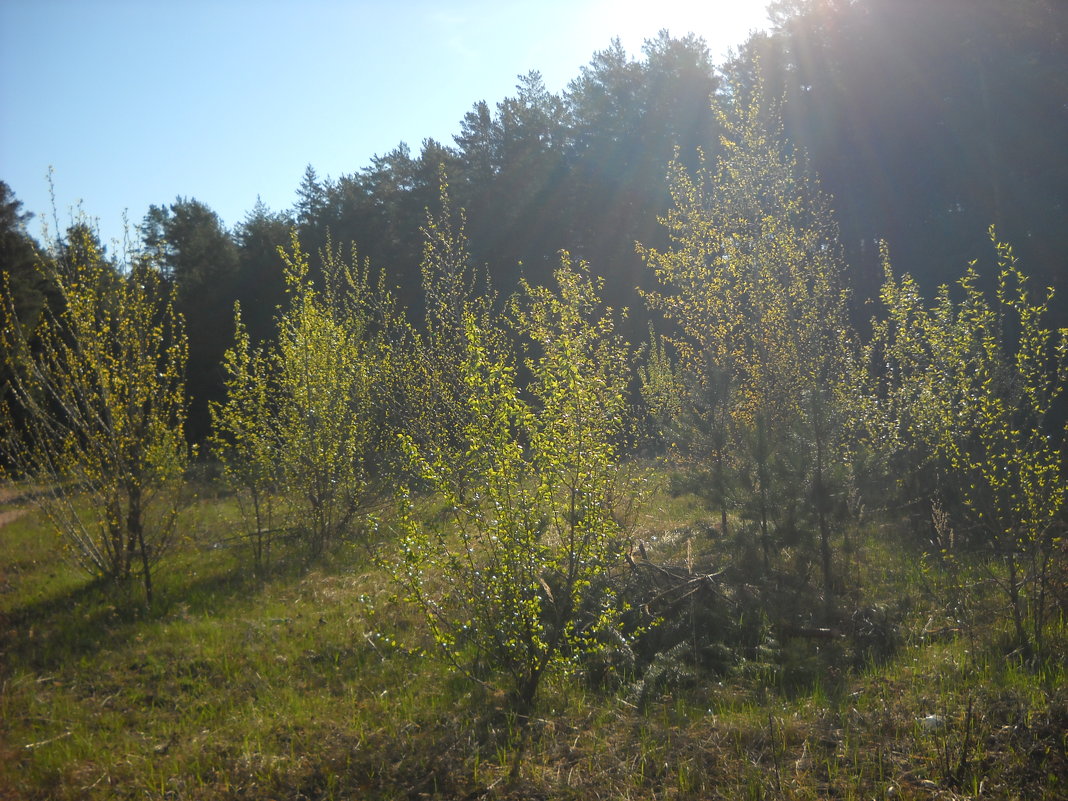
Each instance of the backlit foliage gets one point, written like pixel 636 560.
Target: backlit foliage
pixel 429 395
pixel 99 387
pixel 752 283
pixel 300 423
pixel 246 441
pixel 512 578
pixel 975 382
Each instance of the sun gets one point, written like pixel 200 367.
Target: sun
pixel 722 23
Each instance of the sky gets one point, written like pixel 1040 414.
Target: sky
pixel 129 103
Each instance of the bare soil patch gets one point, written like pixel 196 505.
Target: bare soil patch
pixel 10 515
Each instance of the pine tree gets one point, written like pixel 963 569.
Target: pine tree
pixel 753 283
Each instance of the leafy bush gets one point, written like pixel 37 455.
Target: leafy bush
pixel 513 579
pixel 99 385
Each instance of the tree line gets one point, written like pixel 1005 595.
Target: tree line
pixel 926 124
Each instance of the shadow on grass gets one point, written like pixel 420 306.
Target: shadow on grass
pixel 74 622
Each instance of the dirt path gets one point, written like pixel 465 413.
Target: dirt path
pixel 15 497
pixel 10 515
pixel 15 493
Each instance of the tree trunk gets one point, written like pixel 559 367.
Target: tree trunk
pixel 135 533
pixel 820 498
pixel 721 488
pixel 762 479
pixel 1017 614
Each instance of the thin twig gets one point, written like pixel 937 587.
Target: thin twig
pixel 31 746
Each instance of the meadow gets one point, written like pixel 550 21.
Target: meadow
pixel 318 681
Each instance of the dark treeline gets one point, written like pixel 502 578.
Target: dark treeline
pixel 925 122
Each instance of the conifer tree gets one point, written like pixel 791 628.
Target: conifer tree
pixel 752 283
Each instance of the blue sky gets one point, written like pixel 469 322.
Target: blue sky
pixel 134 102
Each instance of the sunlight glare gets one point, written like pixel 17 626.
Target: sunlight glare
pixel 722 23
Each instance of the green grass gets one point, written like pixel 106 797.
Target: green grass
pixel 317 682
